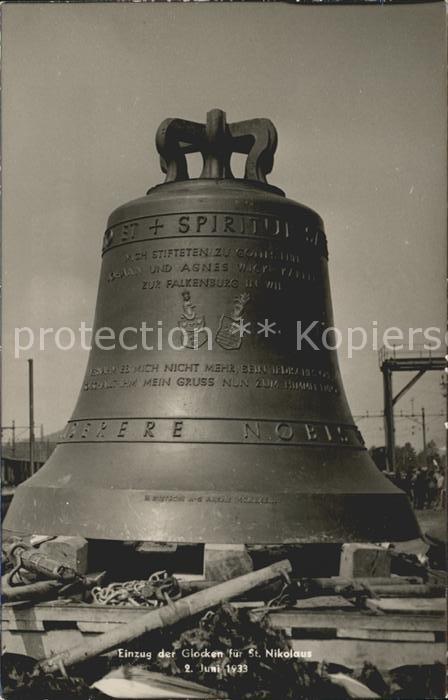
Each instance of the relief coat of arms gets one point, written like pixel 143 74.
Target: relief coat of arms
pixel 228 335
pixel 192 324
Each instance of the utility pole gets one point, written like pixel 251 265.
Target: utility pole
pixel 389 426
pixel 424 434
pixel 444 387
pixel 13 438
pixel 31 412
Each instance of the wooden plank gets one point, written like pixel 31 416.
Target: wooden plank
pixel 75 613
pixel 356 620
pixel 387 635
pixel 414 591
pixel 333 581
pixel 384 655
pixel 249 604
pixel 327 602
pixel 38 645
pixel 415 606
pixel 95 627
pixel 33 618
pixel 321 602
pixel 29 624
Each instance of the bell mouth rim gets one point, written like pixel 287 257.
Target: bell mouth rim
pixel 299 518
pixel 229 183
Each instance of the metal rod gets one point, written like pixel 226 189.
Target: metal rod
pixel 31 591
pixel 407 386
pixel 31 412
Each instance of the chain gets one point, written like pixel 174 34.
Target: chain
pixel 159 589
pixel 281 601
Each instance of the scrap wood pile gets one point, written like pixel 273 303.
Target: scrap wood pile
pixel 225 629
pixel 157 614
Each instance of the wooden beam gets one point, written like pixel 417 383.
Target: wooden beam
pixel 414 606
pixel 356 620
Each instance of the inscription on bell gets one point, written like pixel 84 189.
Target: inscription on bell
pixel 227 375
pixel 213 431
pixel 215 224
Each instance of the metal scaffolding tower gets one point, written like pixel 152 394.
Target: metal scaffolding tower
pixel 394 360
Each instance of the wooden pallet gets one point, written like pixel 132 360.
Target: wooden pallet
pixel 388 632
pixel 403 632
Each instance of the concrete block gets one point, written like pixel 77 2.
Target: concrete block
pixel 226 561
pixel 364 560
pixel 70 551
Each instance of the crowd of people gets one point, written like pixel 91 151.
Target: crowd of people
pixel 425 486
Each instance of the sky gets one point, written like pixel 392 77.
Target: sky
pixel 358 98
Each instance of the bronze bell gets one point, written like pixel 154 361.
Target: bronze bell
pixel 213 426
